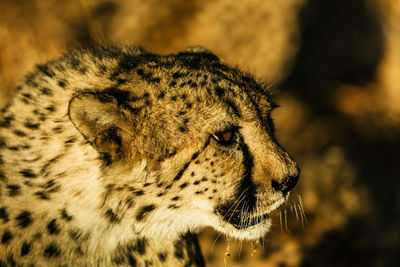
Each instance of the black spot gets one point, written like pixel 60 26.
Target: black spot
pixel 27 95
pixel 25 248
pixel 177 75
pixel 162 256
pixel 31 125
pixel 144 211
pixel 28 173
pixel 161 95
pixel 204 179
pixel 4 214
pixel 52 250
pixel 42 195
pixel 46 91
pixel 173 98
pixel 140 246
pixel 181 171
pixel 199 192
pixel 139 193
pixel 19 133
pixel 65 215
pixel 146 184
pixel 175 198
pixel 111 216
pixel 196 182
pixel 13 189
pixel 24 219
pixel 172 84
pixel 192 174
pixel 45 69
pixel 52 227
pixel 51 108
pixel 61 84
pixel 132 261
pixel 189 105
pixel 183 185
pixel 180 113
pixel 182 129
pixel 6 237
pixel 173 206
pixel 160 194
pixel 179 249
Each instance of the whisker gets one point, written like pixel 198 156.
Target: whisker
pixel 286 224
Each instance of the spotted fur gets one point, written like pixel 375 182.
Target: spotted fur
pixel 116 156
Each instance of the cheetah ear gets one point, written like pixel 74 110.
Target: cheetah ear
pixel 98 118
pixel 197 49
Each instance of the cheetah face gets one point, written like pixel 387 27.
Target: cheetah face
pixel 204 131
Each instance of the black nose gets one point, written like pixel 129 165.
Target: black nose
pixel 287 184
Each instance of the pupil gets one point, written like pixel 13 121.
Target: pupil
pixel 227 136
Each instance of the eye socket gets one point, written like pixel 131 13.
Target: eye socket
pixel 227 137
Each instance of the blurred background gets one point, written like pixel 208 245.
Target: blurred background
pixel 336 67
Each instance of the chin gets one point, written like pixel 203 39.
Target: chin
pixel 253 231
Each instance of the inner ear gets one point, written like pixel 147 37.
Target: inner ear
pixel 99 119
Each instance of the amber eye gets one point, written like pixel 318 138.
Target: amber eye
pixel 226 137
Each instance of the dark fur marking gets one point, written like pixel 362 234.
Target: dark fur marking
pixel 52 250
pixel 4 215
pixel 25 248
pixel 183 185
pixel 46 91
pixel 196 182
pixel 42 195
pixel 140 246
pixel 51 108
pixel 6 237
pixel 173 206
pixel 62 84
pixel 146 184
pixel 233 107
pixel 199 192
pixel 162 256
pixel 139 193
pixel 128 62
pixel 45 69
pixel 161 95
pixel 65 215
pixel 111 216
pixel 28 173
pixel 32 126
pixel 181 171
pixel 160 194
pixel 24 219
pixel 144 212
pixel 75 234
pixel 13 190
pixel 179 254
pixel 19 133
pixel 175 198
pixel 53 228
pixel 182 129
pixel 132 261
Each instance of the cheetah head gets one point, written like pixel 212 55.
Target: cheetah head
pixel 205 133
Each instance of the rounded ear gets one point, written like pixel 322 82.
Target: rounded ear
pixel 98 118
pixel 197 49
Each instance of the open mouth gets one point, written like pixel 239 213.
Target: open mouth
pixel 240 219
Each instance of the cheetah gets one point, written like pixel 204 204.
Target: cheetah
pixel 115 156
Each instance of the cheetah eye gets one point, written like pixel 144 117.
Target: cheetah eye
pixel 227 137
